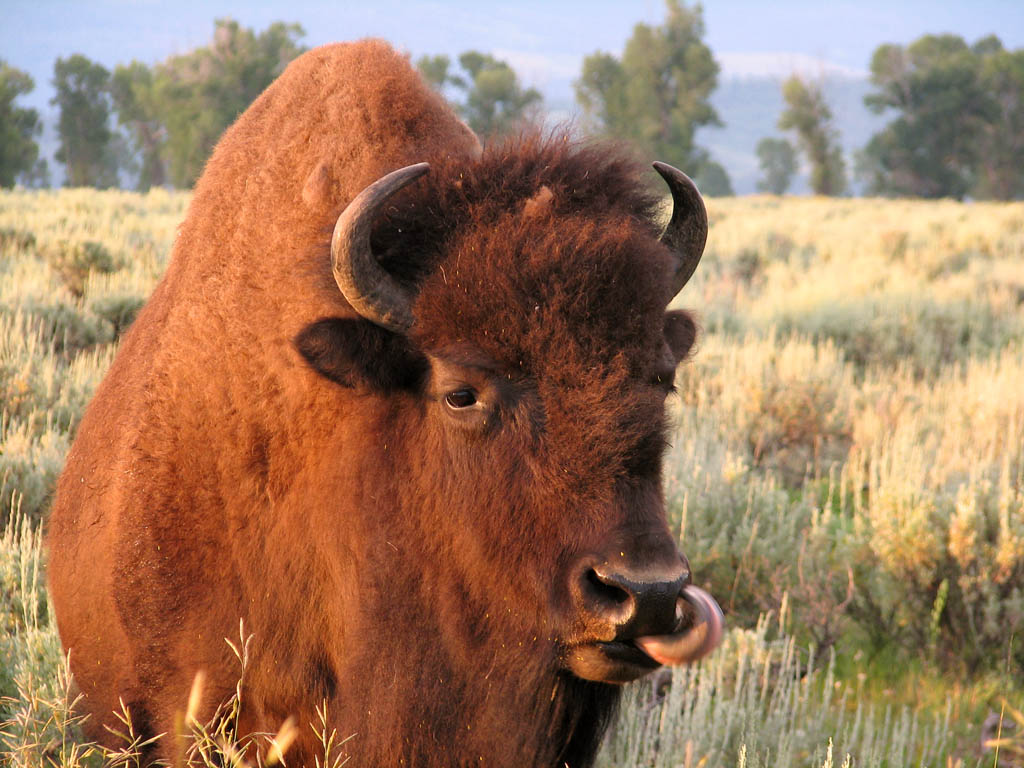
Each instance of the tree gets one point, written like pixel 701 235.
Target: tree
pixel 176 111
pixel 201 93
pixel 778 164
pixel 38 176
pixel 494 103
pixel 809 117
pixel 436 70
pixel 1000 172
pixel 932 148
pixel 657 95
pixel 712 180
pixel 133 92
pixel 18 127
pixel 87 147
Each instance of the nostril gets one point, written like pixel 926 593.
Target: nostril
pixel 605 590
pixel 631 601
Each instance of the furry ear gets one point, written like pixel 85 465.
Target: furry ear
pixel 357 353
pixel 680 333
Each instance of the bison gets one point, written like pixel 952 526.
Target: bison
pixel 398 406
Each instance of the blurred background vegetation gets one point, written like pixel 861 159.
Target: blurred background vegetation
pixel 846 472
pixel 950 112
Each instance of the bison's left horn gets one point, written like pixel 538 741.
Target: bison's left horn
pixel 687 230
pixel 367 286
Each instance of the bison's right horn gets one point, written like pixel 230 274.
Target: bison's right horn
pixel 687 230
pixel 367 286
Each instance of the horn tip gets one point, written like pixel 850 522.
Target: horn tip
pixel 672 174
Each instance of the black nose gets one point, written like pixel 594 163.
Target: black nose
pixel 635 602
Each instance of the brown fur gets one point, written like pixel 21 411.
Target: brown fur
pixel 259 452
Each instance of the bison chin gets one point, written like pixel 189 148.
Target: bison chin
pixel 613 662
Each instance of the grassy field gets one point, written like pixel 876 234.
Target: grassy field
pixel 847 475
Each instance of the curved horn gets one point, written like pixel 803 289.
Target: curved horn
pixel 371 291
pixel 687 230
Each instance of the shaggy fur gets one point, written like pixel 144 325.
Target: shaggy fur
pixel 259 452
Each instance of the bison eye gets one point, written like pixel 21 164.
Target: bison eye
pixel 460 398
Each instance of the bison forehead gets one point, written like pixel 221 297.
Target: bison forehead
pixel 551 294
pixel 537 247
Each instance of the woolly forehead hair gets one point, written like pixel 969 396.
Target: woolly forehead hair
pixel 538 245
pixel 536 289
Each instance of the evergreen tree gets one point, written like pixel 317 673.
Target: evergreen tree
pixel 809 117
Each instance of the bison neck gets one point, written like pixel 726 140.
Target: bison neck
pixel 422 701
pixel 420 674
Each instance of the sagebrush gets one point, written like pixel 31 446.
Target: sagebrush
pixel 846 475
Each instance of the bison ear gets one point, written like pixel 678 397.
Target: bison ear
pixel 357 353
pixel 680 333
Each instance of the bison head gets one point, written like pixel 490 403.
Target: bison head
pixel 510 338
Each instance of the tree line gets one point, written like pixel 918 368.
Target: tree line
pixel 956 111
pixel 956 127
pixel 159 123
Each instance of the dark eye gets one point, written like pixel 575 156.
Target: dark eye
pixel 460 398
pixel 666 380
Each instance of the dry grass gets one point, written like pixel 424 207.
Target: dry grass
pixel 849 455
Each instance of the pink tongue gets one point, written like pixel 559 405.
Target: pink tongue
pixel 694 644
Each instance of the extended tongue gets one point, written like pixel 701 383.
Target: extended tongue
pixel 696 642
